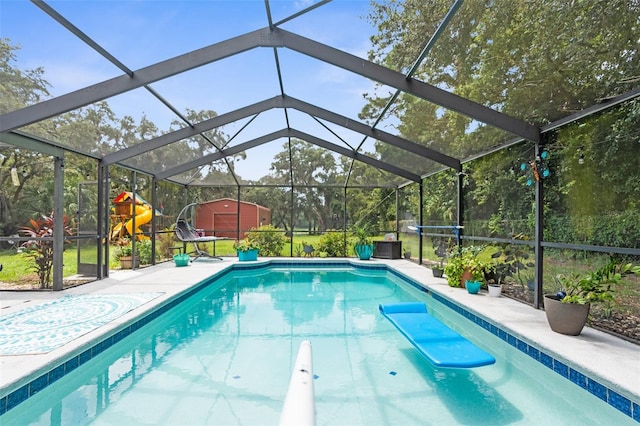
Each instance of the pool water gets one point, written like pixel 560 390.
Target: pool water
pixel 225 356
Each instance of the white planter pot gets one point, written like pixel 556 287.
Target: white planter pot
pixel 495 290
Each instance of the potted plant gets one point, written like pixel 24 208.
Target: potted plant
pixel 501 270
pixel 567 310
pixel 364 243
pixel 463 265
pixel 512 261
pixel 473 286
pixel 247 249
pixel 495 289
pixel 440 249
pixel 477 271
pixel 124 254
pixel 528 279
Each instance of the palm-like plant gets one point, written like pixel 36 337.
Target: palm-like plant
pixel 41 250
pixel 362 235
pixel 364 242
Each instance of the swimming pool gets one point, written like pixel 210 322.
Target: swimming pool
pixel 224 356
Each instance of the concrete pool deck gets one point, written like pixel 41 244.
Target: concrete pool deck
pixel 612 361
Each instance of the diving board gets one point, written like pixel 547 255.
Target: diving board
pixel 439 344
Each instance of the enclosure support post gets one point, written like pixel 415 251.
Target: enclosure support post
pixel 134 242
pixel 420 199
pixel 397 213
pixel 344 215
pixel 539 230
pixel 154 202
pixel 103 222
pixel 460 220
pixel 291 219
pixel 58 222
pixel 238 215
pixel 185 201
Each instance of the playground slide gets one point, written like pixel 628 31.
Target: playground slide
pixel 143 216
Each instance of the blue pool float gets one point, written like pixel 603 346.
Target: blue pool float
pixel 439 344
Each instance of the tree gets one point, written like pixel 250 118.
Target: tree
pixel 18 88
pixel 533 60
pixel 537 61
pixel 314 170
pixel 278 199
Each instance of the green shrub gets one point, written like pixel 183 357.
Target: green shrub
pixel 617 229
pixel 271 240
pixel 144 251
pixel 333 244
pixel 461 259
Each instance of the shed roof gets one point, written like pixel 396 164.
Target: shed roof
pixel 231 200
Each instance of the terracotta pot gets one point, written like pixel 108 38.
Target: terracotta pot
pixel 466 276
pixel 565 318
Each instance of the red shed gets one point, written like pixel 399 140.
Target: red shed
pixel 220 217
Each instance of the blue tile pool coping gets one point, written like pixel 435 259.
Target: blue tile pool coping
pixel 592 385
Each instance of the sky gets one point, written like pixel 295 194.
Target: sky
pixel 140 33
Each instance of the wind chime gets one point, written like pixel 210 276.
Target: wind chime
pixel 537 168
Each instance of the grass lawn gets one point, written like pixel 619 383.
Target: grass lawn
pixel 19 267
pixel 225 247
